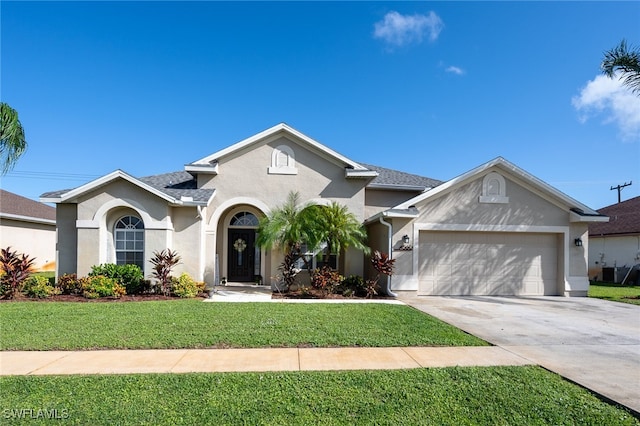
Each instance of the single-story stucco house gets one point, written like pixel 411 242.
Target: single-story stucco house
pixel 615 245
pixel 28 227
pixel 494 230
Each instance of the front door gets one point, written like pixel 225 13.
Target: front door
pixel 241 255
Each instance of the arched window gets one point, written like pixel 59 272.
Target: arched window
pixel 244 219
pixel 129 241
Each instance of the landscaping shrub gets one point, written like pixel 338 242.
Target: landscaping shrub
pixel 69 284
pixel 185 286
pixel 39 287
pixel 326 280
pixel 97 286
pixel 16 269
pixel 128 276
pixel 353 285
pixel 163 262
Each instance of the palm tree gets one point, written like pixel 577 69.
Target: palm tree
pixel 336 226
pixel 292 224
pixel 627 62
pixel 284 227
pixel 12 140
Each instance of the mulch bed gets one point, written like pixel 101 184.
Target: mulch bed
pixel 81 299
pixel 314 293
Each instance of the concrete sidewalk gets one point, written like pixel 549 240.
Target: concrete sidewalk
pixel 246 360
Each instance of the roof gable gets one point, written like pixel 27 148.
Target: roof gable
pixel 577 210
pixel 209 164
pixel 159 185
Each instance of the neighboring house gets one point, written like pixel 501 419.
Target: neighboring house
pixel 493 230
pixel 615 245
pixel 28 227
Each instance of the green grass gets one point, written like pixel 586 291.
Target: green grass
pixel 194 324
pixel 615 292
pixel 442 396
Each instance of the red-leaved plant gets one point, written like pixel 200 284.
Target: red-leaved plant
pixel 16 268
pixel 383 264
pixel 163 262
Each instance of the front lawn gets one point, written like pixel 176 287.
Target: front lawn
pixel 615 292
pixel 438 396
pixel 195 324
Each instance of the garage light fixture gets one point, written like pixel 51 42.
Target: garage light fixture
pixel 577 242
pixel 406 243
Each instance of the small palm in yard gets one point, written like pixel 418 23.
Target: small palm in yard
pixel 163 262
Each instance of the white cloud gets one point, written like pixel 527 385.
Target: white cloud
pixel 399 30
pixel 455 70
pixel 607 97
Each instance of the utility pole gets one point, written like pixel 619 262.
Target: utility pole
pixel 619 188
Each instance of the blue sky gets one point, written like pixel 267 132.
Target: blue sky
pixel 431 88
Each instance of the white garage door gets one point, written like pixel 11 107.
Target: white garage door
pixel 488 263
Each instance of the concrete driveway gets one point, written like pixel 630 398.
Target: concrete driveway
pixel 592 342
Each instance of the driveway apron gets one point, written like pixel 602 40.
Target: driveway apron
pixel 592 342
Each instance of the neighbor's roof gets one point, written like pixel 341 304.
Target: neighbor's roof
pixel 14 206
pixel 624 218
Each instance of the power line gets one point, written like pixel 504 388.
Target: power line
pixel 26 174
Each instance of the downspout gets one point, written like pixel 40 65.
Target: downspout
pixel 389 227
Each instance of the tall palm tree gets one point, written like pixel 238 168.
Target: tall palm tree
pixel 626 62
pixel 12 140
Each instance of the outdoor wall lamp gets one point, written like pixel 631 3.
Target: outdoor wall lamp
pixel 406 243
pixel 577 242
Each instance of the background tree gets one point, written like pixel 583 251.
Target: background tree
pixel 12 140
pixel 625 61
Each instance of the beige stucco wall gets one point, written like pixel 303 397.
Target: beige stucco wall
pixel 244 180
pixel 377 200
pixel 187 240
pixel 526 211
pixel 37 240
pixel 461 206
pixel 67 239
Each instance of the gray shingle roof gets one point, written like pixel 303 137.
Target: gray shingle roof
pixel 177 185
pixel 394 178
pixel 18 205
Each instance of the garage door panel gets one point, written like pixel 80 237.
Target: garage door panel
pixel 476 263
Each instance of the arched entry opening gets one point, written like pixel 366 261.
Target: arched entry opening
pixel 243 256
